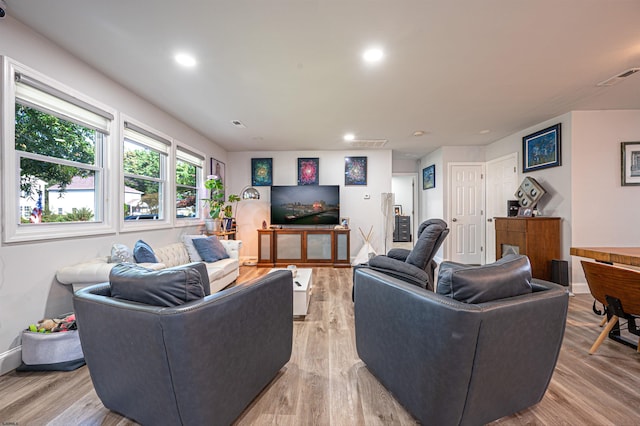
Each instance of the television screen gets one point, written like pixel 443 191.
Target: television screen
pixel 305 205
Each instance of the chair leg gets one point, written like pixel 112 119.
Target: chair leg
pixel 612 322
pixel 604 321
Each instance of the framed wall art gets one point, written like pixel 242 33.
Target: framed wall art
pixel 541 149
pixel 397 210
pixel 355 170
pixel 630 163
pixel 261 171
pixel 429 177
pixel 217 170
pixel 308 171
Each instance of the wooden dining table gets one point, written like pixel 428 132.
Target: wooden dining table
pixel 621 255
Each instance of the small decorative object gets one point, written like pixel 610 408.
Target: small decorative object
pixel 355 170
pixel 293 269
pixel 541 149
pixel 344 222
pixel 261 171
pixel 308 170
pixel 529 193
pixel 525 212
pixel 397 210
pixel 630 163
pixel 429 177
pixel 264 224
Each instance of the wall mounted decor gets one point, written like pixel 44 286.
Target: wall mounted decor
pixel 541 149
pixel 217 170
pixel 630 163
pixel 261 171
pixel 355 170
pixel 308 171
pixel 429 177
pixel 397 210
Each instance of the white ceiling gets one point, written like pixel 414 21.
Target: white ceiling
pixel 291 70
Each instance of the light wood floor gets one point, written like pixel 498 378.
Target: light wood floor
pixel 326 384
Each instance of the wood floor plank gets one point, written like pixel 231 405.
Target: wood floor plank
pixel 325 383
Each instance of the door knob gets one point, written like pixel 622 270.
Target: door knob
pixel 454 220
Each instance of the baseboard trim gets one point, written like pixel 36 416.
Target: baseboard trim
pixel 10 360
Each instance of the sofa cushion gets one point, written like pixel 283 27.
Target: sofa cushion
pixel 187 240
pixel 508 277
pixel 167 287
pixel 210 249
pixel 143 253
pixel 121 253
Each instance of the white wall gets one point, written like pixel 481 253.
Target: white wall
pixel 28 290
pixel 363 213
pixel 604 213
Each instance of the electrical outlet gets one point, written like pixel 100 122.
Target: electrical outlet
pixel 367 196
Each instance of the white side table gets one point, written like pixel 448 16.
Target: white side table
pixel 302 284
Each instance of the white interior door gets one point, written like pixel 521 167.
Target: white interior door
pixel 466 216
pixel 502 175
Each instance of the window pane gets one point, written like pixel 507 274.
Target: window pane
pixel 140 160
pixel 186 202
pixel 142 199
pixel 68 191
pixel 185 174
pixel 41 133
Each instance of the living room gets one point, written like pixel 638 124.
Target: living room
pixel 585 190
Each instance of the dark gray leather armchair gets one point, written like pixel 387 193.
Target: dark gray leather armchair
pixel 200 363
pixel 415 266
pixel 454 363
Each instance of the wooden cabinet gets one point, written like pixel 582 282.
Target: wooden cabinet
pixel 536 237
pixel 402 229
pixel 304 247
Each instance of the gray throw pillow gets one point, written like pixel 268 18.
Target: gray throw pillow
pixel 210 249
pixel 121 253
pixel 166 287
pixel 143 253
pixel 508 277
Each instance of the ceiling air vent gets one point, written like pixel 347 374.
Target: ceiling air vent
pixel 368 143
pixel 618 78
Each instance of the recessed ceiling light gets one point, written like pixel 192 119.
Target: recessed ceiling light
pixel 419 133
pixel 484 132
pixel 349 137
pixel 372 55
pixel 185 60
pixel 238 123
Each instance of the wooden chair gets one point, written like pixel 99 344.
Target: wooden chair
pixel 619 283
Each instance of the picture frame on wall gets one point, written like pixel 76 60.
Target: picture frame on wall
pixel 217 169
pixel 630 157
pixel 355 170
pixel 542 149
pixel 429 177
pixel 397 210
pixel 308 171
pixel 261 171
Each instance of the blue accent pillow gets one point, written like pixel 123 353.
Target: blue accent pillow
pixel 210 249
pixel 143 253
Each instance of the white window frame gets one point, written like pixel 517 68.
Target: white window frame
pixel 13 232
pixel 150 135
pixel 201 191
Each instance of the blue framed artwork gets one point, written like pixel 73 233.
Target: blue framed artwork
pixel 429 177
pixel 308 170
pixel 355 170
pixel 541 149
pixel 261 171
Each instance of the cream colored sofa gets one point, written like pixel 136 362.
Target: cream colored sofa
pixel 221 273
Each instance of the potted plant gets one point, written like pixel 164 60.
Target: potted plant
pixel 217 208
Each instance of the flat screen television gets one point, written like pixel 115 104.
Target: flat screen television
pixel 305 205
